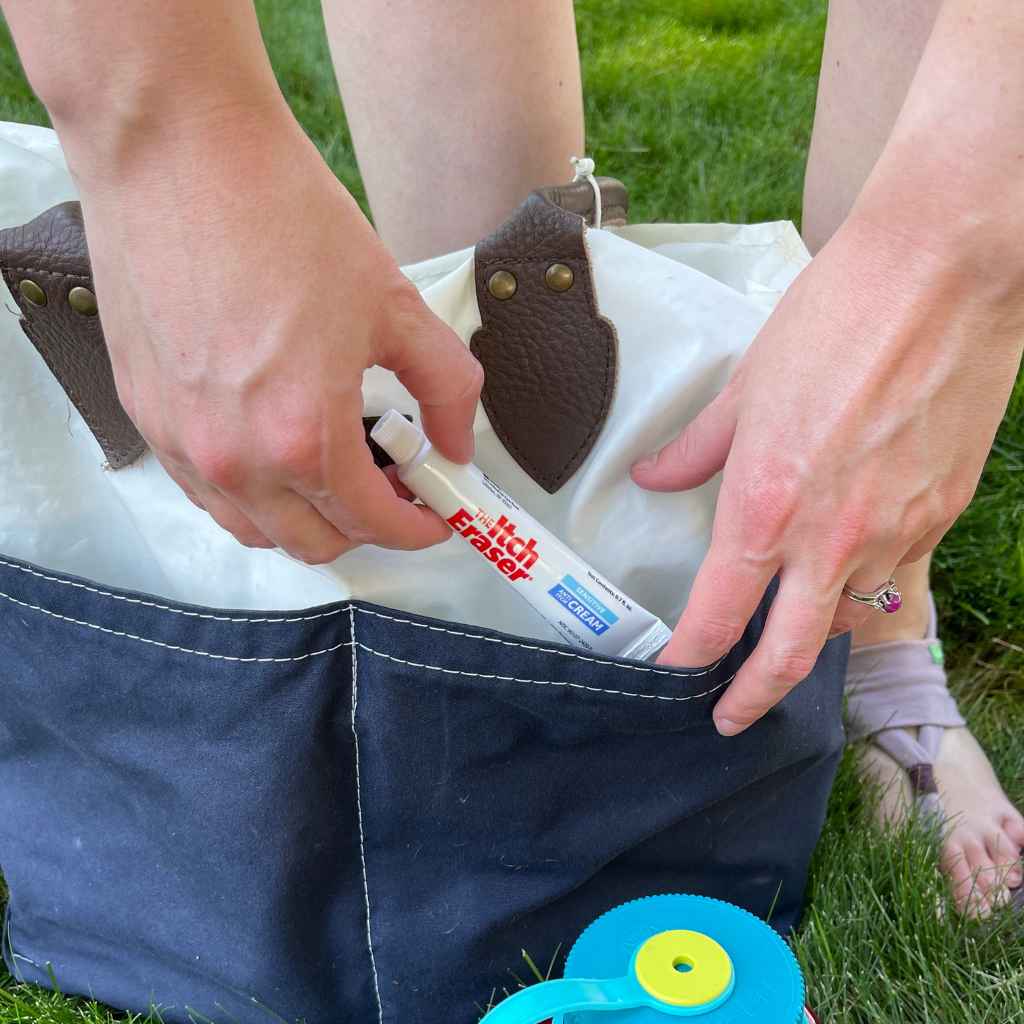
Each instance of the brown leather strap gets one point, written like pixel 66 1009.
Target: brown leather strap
pixel 578 198
pixel 45 263
pixel 549 357
pixel 565 351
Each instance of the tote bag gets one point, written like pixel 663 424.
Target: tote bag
pixel 237 788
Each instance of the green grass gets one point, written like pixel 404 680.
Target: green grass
pixel 703 107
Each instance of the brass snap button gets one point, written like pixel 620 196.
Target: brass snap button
pixel 82 301
pixel 32 292
pixel 502 284
pixel 559 277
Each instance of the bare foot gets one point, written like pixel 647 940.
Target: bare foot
pixel 983 838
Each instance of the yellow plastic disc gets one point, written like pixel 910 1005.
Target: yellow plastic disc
pixel 683 968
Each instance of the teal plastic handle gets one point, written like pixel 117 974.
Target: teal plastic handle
pixel 541 1002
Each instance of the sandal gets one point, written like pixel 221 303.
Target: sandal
pixel 895 687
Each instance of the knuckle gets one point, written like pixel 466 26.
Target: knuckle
pixel 359 533
pixel 857 531
pixel 957 500
pixel 788 666
pixel 296 451
pixel 216 463
pixel 688 446
pixel 474 376
pixel 405 304
pixel 718 634
pixel 130 406
pixel 768 501
pixel 252 539
pixel 323 554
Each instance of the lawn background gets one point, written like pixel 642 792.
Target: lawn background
pixel 703 108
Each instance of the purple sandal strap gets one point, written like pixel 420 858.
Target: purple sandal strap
pixel 895 687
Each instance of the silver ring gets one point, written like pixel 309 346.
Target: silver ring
pixel 886 598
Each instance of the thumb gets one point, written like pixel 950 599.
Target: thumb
pixel 696 455
pixel 444 377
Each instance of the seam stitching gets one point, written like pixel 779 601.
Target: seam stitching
pixel 167 608
pixel 170 647
pixel 544 682
pixel 675 673
pixel 49 273
pixel 672 673
pixel 359 815
pixel 380 654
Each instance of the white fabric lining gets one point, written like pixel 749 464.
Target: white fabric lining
pixel 686 300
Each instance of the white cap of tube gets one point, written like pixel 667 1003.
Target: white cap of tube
pixel 401 439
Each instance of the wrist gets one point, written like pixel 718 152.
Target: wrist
pixel 156 125
pixel 929 290
pixel 946 219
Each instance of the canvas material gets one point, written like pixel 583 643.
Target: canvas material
pixel 352 814
pixel 338 811
pixel 686 300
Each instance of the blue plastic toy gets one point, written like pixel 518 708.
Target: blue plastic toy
pixel 675 956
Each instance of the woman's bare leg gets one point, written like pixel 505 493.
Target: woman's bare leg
pixel 457 109
pixel 872 48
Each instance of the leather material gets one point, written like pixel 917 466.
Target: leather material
pixel 51 251
pixel 549 357
pixel 543 346
pixel 578 197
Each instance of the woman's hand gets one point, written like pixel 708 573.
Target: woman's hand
pixel 243 294
pixel 852 435
pixel 241 290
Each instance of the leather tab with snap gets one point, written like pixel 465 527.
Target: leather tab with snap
pixel 549 357
pixel 45 264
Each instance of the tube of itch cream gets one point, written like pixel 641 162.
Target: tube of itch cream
pixel 574 599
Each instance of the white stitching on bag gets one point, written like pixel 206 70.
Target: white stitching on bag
pixel 166 608
pixel 679 673
pixel 160 643
pixel 369 650
pixel 544 682
pixel 359 815
pixel 672 673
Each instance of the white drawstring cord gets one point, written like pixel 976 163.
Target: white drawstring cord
pixel 584 167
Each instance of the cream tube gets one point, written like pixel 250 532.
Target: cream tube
pixel 573 599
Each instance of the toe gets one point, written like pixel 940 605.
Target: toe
pixel 966 893
pixel 1005 855
pixel 1013 826
pixel 980 864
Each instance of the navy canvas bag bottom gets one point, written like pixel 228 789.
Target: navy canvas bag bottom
pixel 357 814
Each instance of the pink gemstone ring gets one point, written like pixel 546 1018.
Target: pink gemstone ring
pixel 886 598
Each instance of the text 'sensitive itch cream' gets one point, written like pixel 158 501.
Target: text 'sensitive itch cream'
pixel 584 608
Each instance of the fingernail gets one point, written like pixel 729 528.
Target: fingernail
pixel 647 462
pixel 727 727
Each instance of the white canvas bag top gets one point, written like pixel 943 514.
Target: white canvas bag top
pixel 686 301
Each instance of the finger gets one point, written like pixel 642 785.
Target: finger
pixel 361 504
pixel 391 472
pixel 295 526
pixel 697 454
pixel 223 511
pixel 849 613
pixel 796 630
pixel 925 545
pixel 725 595
pixel 849 616
pixel 443 376
pixel 229 517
